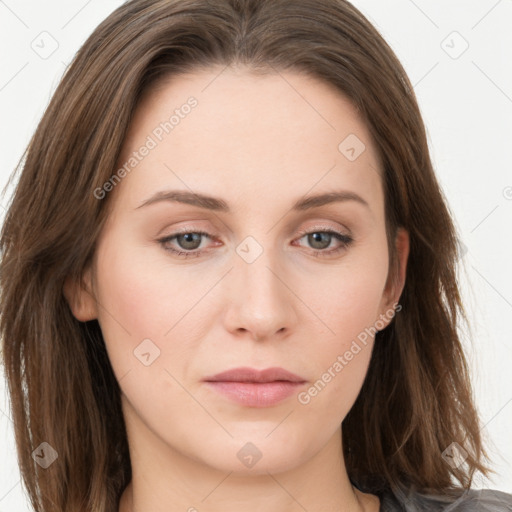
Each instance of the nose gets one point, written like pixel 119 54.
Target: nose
pixel 260 301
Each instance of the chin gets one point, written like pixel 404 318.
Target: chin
pixel 254 455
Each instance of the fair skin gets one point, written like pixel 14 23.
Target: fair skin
pixel 260 144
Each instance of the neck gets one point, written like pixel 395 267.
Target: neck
pixel 166 480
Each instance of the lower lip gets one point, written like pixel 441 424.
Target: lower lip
pixel 255 394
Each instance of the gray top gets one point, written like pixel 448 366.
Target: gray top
pixel 475 500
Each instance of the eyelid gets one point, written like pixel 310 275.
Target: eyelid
pixel 319 227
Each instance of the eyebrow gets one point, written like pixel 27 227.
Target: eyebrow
pixel 219 205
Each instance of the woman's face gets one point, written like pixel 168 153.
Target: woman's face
pixel 264 287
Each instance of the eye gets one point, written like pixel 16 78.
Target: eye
pixel 189 242
pixel 320 239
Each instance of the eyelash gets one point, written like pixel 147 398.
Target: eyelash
pixel 345 240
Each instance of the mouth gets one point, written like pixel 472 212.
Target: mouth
pixel 255 388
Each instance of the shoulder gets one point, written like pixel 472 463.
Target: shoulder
pixel 460 500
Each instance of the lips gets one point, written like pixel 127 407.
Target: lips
pixel 255 388
pixel 246 374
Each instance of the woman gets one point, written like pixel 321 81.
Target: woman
pixel 228 274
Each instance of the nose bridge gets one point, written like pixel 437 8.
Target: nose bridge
pixel 257 266
pixel 261 302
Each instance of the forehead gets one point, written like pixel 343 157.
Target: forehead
pixel 272 136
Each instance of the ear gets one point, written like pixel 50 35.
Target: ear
pixel 396 276
pixel 80 297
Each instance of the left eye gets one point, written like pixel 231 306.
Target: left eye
pixel 324 238
pixel 190 241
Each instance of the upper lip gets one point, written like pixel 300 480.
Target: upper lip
pixel 246 374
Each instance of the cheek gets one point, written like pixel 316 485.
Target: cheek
pixel 341 360
pixel 345 299
pixel 143 297
pixel 132 307
pixel 346 304
pixel 139 290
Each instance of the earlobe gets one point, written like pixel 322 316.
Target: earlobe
pixel 80 297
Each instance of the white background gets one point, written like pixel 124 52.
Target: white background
pixel 467 107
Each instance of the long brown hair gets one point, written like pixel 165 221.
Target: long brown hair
pixel 416 399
